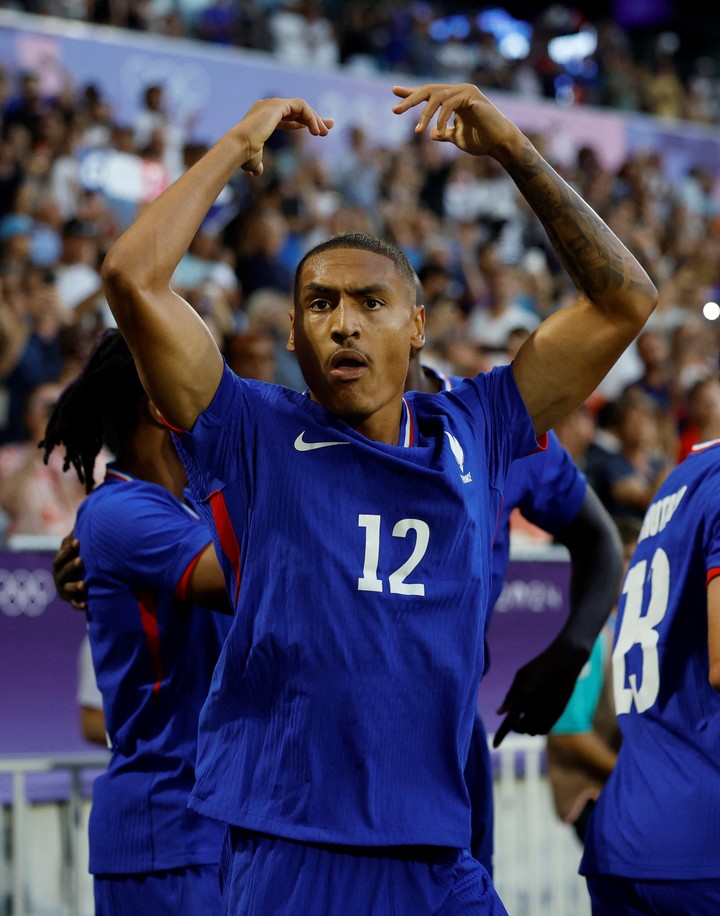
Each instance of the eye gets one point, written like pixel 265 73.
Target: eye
pixel 319 305
pixel 374 304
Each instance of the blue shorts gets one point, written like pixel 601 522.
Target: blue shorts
pixel 270 876
pixel 177 892
pixel 613 896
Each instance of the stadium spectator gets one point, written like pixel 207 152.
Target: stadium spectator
pixel 32 322
pixel 36 498
pixel 703 416
pixel 627 479
pixel 251 354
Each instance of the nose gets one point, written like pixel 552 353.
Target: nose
pixel 346 323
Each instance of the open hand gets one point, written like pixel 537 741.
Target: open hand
pixel 465 116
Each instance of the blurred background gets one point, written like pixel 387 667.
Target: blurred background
pixel 103 103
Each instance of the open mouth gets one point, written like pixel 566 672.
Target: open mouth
pixel 347 365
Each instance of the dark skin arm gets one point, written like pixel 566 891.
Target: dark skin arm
pixel 176 355
pixel 566 358
pixel 586 750
pixel 541 689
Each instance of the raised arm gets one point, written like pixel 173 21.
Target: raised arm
pixel 176 355
pixel 565 359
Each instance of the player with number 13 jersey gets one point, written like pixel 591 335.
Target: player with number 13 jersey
pixel 658 817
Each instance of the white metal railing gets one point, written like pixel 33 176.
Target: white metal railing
pixel 22 882
pixel 536 856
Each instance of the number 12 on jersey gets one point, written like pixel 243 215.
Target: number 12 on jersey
pixel 369 581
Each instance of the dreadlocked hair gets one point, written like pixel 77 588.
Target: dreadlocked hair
pixel 100 407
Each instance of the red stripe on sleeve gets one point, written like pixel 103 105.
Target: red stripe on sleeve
pixel 182 586
pixel 148 617
pixel 226 534
pixel 712 574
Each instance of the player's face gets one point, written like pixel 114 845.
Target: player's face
pixel 354 324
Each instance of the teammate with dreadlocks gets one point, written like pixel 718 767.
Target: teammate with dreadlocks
pixel 147 559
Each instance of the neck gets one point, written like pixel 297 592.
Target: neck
pixel 150 455
pixel 419 379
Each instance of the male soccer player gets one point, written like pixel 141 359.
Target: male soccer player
pixel 652 844
pixel 553 494
pixel 355 525
pixel 148 556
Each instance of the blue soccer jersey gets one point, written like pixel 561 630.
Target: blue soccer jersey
pixel 547 487
pixel 342 704
pixel 658 816
pixel 154 654
pixel 549 490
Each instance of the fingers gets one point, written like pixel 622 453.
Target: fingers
pixel 67 572
pixel 68 550
pixel 74 594
pixel 413 97
pixel 503 730
pixel 439 98
pixel 297 114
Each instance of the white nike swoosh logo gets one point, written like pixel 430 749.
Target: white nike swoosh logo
pixel 302 446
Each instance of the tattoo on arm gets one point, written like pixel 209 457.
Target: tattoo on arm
pixel 597 261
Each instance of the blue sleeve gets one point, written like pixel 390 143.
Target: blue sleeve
pixel 496 406
pixel 552 487
pixel 712 532
pixel 216 449
pixel 577 717
pixel 145 537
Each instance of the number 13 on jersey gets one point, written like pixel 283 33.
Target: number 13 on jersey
pixel 641 587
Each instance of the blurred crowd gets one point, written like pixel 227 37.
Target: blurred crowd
pixel 639 70
pixel 487 272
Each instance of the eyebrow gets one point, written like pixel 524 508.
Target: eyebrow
pixel 379 288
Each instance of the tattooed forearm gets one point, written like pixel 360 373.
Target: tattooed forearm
pixel 596 260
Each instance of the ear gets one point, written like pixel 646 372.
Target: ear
pixel 417 339
pixel 290 345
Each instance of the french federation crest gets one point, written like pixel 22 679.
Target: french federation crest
pixel 459 456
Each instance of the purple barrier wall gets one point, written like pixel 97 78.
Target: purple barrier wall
pixel 530 612
pixel 40 638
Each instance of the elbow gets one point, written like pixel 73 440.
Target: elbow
pixel 115 275
pixel 645 300
pixel 122 284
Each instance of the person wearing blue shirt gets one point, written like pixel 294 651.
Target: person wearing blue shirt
pixel 354 525
pixel 553 494
pixel 652 843
pixel 148 560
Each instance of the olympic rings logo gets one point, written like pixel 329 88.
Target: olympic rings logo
pixel 25 591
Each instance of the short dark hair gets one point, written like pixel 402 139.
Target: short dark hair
pixel 359 240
